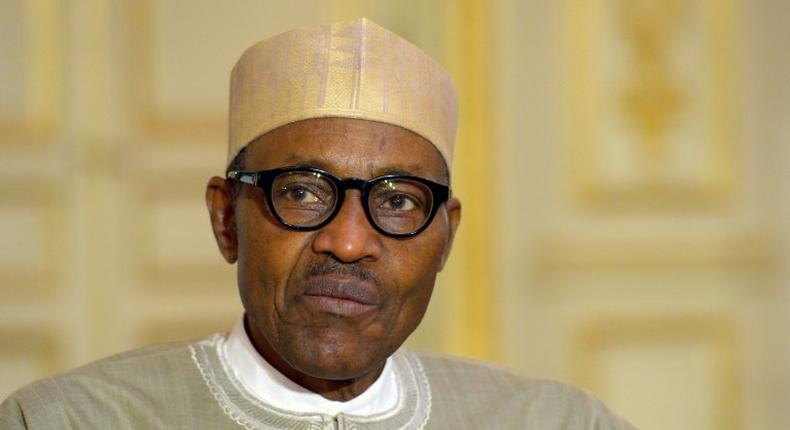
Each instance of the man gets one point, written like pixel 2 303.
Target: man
pixel 336 208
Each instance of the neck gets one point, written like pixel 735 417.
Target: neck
pixel 332 389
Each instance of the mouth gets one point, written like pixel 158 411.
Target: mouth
pixel 338 295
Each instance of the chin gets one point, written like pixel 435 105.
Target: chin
pixel 335 360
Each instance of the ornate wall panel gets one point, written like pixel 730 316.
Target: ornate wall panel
pixel 641 243
pixel 179 252
pixel 683 369
pixel 651 103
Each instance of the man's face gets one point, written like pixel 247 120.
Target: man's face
pixel 280 270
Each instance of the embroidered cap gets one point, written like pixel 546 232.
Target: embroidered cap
pixel 352 69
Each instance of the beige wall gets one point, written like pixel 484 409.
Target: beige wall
pixel 623 166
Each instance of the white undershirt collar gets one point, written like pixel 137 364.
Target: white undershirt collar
pixel 272 387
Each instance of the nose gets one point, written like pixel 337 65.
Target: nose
pixel 349 236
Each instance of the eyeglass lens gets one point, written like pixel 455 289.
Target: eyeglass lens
pixel 400 205
pixel 303 199
pixel 307 199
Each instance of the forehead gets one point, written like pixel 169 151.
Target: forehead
pixel 347 147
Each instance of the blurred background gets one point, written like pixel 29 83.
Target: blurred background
pixel 624 167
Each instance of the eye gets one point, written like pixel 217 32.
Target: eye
pixel 299 194
pixel 399 202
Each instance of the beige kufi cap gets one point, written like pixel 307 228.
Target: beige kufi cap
pixel 353 69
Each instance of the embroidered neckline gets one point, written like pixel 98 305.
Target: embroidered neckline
pixel 411 412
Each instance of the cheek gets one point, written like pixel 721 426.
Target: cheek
pixel 414 303
pixel 264 268
pixel 418 259
pixel 414 276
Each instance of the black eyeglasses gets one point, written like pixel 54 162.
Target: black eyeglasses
pixel 306 198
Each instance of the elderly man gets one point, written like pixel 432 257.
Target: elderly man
pixel 337 209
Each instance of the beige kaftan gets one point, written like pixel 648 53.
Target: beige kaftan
pixel 189 386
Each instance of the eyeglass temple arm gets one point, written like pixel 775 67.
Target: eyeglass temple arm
pixel 245 177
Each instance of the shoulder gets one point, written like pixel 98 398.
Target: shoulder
pixel 461 374
pixel 464 370
pixel 135 367
pixel 490 392
pixel 146 379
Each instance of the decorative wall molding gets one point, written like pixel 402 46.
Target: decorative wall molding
pixel 714 333
pixel 169 195
pixel 651 108
pixel 737 252
pixel 173 126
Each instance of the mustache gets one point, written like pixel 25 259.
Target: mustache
pixel 333 267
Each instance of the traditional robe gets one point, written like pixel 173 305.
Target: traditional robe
pixel 191 386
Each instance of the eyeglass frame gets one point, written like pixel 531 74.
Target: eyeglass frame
pixel 264 179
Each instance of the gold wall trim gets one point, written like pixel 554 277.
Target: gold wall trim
pixel 470 44
pixel 161 277
pixel 44 86
pixel 557 256
pixel 717 332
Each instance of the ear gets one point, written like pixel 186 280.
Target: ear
pixel 453 210
pixel 219 201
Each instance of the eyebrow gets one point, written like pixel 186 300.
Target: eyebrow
pixel 398 169
pixel 297 161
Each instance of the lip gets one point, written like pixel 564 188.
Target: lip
pixel 340 295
